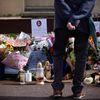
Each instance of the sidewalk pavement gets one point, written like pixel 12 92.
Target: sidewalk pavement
pixel 12 90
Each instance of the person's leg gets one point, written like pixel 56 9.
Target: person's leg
pixel 59 49
pixel 2 70
pixel 81 44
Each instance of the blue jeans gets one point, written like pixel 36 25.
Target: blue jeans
pixel 80 50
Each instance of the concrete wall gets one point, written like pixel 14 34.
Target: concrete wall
pixel 11 7
pixel 39 2
pixel 97 7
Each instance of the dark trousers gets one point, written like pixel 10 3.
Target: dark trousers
pixel 2 70
pixel 80 50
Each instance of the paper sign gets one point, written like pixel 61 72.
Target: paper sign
pixel 39 27
pixel 97 26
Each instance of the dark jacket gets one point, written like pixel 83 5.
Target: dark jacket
pixel 73 11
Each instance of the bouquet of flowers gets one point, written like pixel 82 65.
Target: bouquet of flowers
pixel 15 60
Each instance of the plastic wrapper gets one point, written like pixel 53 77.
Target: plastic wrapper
pixel 35 57
pixel 23 35
pixel 19 43
pixel 15 60
pixel 2 53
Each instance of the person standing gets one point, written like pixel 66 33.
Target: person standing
pixel 71 20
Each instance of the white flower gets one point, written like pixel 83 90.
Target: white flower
pixel 88 80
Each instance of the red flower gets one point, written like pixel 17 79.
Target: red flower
pixel 97 34
pixel 51 50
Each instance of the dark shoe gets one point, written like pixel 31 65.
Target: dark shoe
pixel 78 96
pixel 57 93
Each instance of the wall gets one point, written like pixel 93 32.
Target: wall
pixel 11 7
pixel 21 24
pixel 97 8
pixel 39 2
